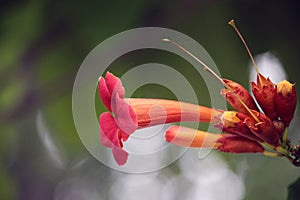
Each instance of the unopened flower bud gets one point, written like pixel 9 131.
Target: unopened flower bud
pixel 285 101
pixel 264 92
pixel 238 91
pixel 237 144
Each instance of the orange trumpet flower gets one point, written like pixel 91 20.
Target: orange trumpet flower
pixel 130 114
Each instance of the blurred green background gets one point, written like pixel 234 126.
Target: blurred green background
pixel 42 45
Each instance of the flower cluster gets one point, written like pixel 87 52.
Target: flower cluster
pixel 245 130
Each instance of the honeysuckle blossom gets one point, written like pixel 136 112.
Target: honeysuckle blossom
pixel 129 114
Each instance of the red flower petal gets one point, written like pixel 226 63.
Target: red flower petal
pixel 264 92
pixel 125 116
pixel 120 155
pixel 104 139
pixel 104 93
pixel 109 131
pixel 114 85
pixel 124 136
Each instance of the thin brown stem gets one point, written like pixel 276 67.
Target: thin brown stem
pixel 232 23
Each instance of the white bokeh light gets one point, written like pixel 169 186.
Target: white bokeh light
pixel 55 152
pixel 140 186
pixel 76 189
pixel 207 179
pixel 269 66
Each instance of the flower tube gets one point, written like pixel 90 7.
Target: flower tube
pixel 187 137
